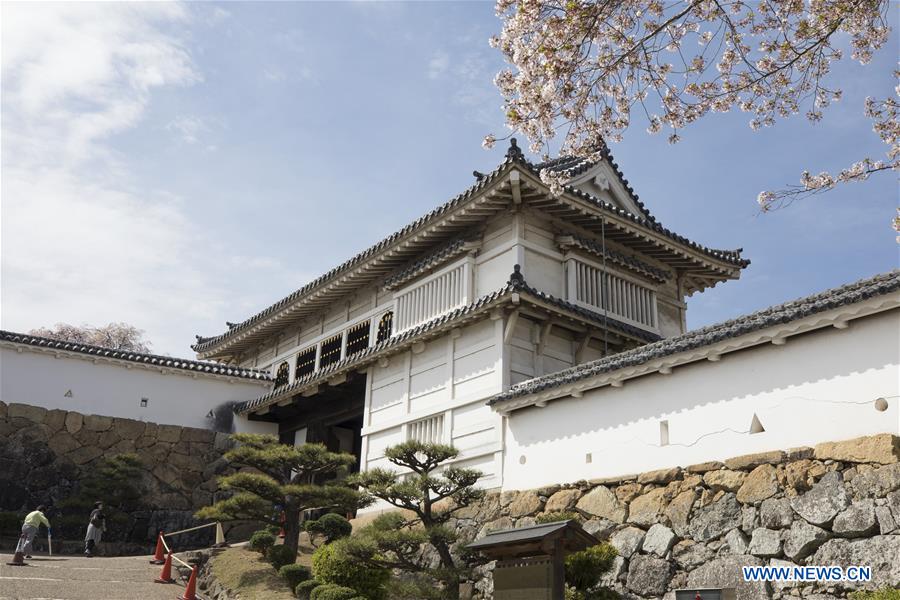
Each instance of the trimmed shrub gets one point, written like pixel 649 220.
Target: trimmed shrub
pixel 333 564
pixel 879 594
pixel 304 589
pixel 601 594
pixel 332 526
pixel 280 556
pixel 261 541
pixel 330 591
pixel 584 569
pixel 553 517
pixel 294 574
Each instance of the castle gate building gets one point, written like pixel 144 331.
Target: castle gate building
pixel 501 284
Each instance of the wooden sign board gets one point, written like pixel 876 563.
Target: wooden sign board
pixel 524 579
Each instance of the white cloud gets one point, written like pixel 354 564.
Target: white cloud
pixel 188 128
pixel 438 65
pixel 81 242
pixel 274 74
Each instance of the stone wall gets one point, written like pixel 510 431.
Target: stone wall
pixel 44 453
pixel 837 503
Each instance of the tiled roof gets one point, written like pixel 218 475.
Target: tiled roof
pixel 450 319
pixel 206 342
pixel 444 253
pixel 864 289
pixel 597 317
pixel 573 166
pixel 514 157
pixel 167 362
pixel 393 343
pixel 628 262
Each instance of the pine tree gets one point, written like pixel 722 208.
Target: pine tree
pixel 283 477
pixel 395 539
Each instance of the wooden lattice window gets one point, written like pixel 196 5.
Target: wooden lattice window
pixel 427 431
pixel 358 338
pixel 331 351
pixel 385 327
pixel 281 376
pixel 306 363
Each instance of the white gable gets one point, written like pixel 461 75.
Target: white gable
pixel 602 181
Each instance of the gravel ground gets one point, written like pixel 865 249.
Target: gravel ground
pixel 79 578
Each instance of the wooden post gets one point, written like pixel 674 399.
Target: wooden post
pixel 559 571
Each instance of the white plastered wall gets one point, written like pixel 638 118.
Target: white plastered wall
pixel 116 388
pixel 819 386
pixel 448 377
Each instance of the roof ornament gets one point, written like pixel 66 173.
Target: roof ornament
pixel 230 325
pixel 516 278
pixel 478 175
pixel 514 152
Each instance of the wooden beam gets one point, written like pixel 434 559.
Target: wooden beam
pixel 515 181
pixel 582 347
pixel 544 334
pixel 510 326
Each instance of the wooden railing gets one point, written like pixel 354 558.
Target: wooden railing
pixel 622 298
pixel 433 297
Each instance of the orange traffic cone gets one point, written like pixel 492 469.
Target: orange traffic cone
pixel 158 556
pixel 166 575
pixel 190 592
pixel 19 556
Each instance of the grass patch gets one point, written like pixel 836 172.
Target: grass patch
pixel 250 575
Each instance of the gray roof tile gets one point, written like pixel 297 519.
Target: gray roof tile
pixel 196 366
pixel 514 156
pixel 858 291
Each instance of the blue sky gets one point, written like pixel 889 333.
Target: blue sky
pixel 179 165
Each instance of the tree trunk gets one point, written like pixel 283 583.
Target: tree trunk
pixel 451 582
pixel 292 527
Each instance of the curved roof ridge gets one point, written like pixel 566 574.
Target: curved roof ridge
pixel 514 156
pixel 877 285
pixel 482 182
pixel 198 366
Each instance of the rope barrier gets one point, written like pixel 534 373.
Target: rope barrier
pixel 219 542
pixel 192 529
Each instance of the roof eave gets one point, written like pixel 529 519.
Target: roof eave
pixel 776 334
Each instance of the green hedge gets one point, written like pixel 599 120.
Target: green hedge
pixel 584 569
pixel 330 591
pixel 261 541
pixel 294 574
pixel 280 556
pixel 332 526
pixel 304 589
pixel 880 594
pixel 332 564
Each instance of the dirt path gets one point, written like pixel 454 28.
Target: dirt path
pixel 79 578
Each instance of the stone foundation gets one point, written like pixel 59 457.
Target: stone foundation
pixel 44 453
pixel 835 504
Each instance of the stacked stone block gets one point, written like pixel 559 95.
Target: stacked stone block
pixel 43 454
pixel 835 504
